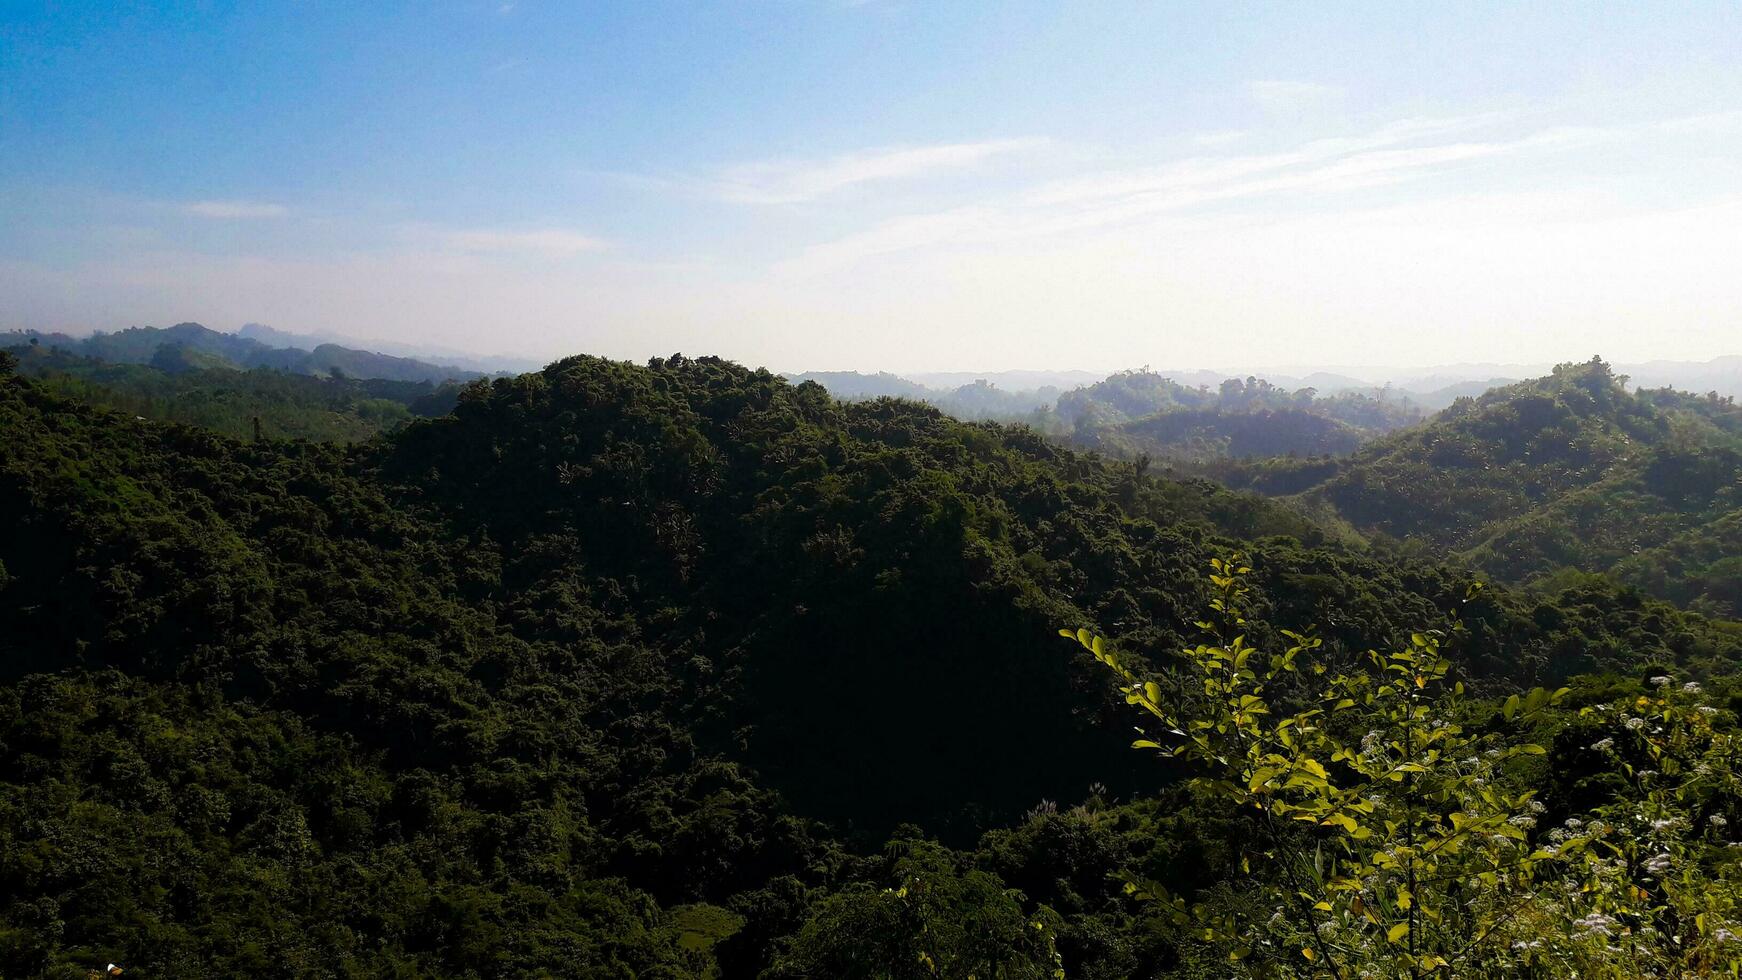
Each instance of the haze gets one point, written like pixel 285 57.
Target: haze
pixel 886 185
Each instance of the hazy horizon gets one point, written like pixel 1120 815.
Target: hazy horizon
pixel 883 185
pixel 1420 377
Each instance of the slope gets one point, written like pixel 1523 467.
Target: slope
pixel 140 345
pixel 232 401
pixel 1570 471
pixel 553 682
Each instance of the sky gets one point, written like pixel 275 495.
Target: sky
pixel 886 184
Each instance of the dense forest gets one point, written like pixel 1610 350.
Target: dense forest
pixel 1571 473
pixel 1140 413
pixel 192 345
pixel 685 670
pixel 180 385
pixel 1135 414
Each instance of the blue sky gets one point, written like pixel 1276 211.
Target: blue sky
pixel 888 183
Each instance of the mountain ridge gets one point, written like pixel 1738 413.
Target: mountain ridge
pixel 139 345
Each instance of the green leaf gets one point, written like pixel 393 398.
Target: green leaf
pixel 1397 932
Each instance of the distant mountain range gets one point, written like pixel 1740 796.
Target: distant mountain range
pixel 193 346
pixel 483 363
pixel 1568 471
pixel 1429 389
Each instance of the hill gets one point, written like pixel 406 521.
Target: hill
pixel 452 359
pixel 1140 413
pixel 621 669
pixel 212 348
pixel 183 385
pixel 972 400
pixel 1133 414
pixel 1570 471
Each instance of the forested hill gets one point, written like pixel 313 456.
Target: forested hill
pixel 563 682
pixel 234 402
pixel 1570 471
pixel 190 345
pixel 1131 414
pixel 1141 413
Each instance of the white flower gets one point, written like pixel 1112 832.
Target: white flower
pixel 1707 710
pixel 1635 724
pixel 1574 823
pixel 1717 820
pixel 1660 681
pixel 1523 821
pixel 1536 807
pixel 1666 824
pixel 1723 936
pixel 1691 687
pixel 1598 923
pixel 1602 745
pixel 1657 864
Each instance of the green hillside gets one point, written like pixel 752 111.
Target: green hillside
pixel 1142 414
pixel 196 388
pixel 190 345
pixel 1570 471
pixel 665 671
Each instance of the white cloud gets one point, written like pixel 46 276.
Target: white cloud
pixel 1286 96
pixel 230 210
pixel 1205 170
pixel 547 242
pixel 1541 274
pixel 1219 138
pixel 1109 199
pixel 799 181
pixel 1706 124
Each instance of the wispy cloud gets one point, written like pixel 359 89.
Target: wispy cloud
pixel 234 210
pixel 1284 96
pixel 1388 155
pixel 795 181
pixel 1200 171
pixel 1705 124
pixel 546 242
pixel 1220 138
